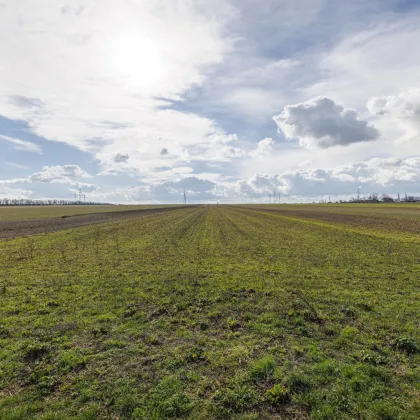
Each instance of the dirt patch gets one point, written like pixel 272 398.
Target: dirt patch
pixel 10 229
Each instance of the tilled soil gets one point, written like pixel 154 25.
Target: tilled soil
pixel 10 229
pixel 384 222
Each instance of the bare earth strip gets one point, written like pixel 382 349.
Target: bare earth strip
pixel 10 229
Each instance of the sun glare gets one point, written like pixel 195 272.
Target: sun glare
pixel 137 61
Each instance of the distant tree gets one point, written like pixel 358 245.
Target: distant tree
pixel 386 198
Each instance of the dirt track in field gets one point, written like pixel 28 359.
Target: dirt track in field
pixel 10 229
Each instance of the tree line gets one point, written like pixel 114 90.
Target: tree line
pixel 29 202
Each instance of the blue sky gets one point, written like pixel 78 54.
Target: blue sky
pixel 135 101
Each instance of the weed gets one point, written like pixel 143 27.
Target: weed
pixel 166 400
pixel 72 361
pixel 36 350
pixel 263 368
pixel 233 324
pixel 195 355
pixel 298 382
pixel 373 358
pixel 234 399
pixel 277 395
pixel 4 332
pixel 204 326
pixel 407 345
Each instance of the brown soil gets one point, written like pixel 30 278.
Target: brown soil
pixel 387 223
pixel 10 229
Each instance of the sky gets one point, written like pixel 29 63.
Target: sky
pixel 135 101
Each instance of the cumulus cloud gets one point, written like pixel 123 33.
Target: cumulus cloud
pixel 264 147
pixel 51 178
pixel 196 189
pixel 12 193
pixel 374 175
pixel 59 173
pixel 121 157
pixel 402 110
pixel 377 175
pixel 21 145
pixel 231 152
pixel 323 123
pixel 406 105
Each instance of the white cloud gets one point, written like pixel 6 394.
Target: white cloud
pixel 21 145
pixel 264 147
pixel 59 173
pixel 231 152
pixel 378 60
pixel 196 189
pixel 153 88
pixel 405 105
pixel 323 123
pixel 69 175
pixel 389 175
pixel 377 175
pixel 13 193
pixel 98 76
pixel 403 110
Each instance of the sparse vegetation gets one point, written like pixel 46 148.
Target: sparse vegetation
pixel 47 211
pixel 214 312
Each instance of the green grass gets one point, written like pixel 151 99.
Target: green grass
pixel 46 212
pixel 211 313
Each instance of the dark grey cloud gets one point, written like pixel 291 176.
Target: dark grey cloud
pixel 323 123
pixel 164 151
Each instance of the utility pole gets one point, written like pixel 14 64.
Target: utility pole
pixel 399 197
pixel 80 195
pixel 358 193
pixel 185 197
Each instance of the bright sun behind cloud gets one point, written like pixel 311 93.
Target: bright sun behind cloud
pixel 136 89
pixel 137 61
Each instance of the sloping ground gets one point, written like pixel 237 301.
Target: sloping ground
pixel 18 228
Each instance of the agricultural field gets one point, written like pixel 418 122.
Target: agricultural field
pixel 383 217
pixel 10 229
pixel 215 312
pixel 45 212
